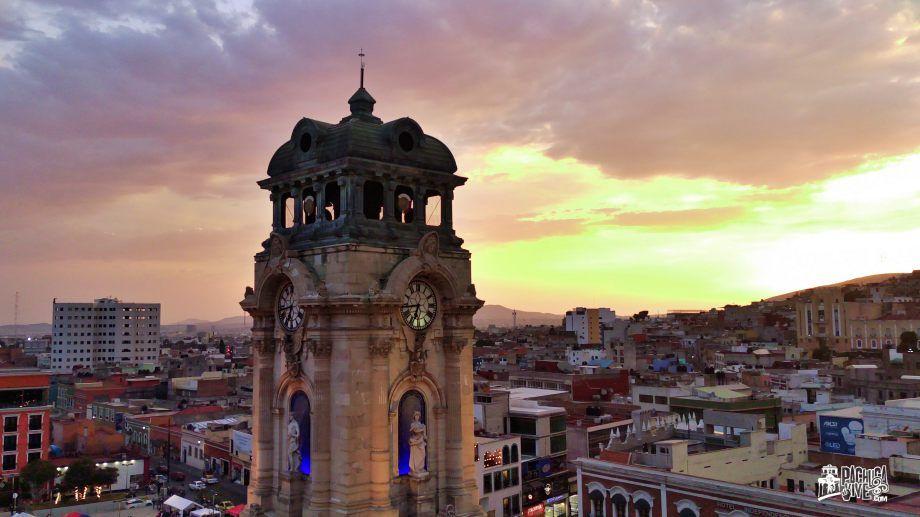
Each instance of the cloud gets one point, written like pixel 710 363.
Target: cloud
pixel 630 103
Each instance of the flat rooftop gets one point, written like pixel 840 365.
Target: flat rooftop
pixel 532 393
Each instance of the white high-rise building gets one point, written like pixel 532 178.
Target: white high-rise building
pixel 107 331
pixel 588 323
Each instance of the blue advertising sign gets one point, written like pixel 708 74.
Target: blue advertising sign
pixel 838 433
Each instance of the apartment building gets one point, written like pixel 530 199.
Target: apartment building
pixel 25 413
pixel 498 467
pixel 106 331
pixel 587 324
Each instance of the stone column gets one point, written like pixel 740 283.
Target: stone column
pixel 344 195
pixel 447 210
pixel 419 204
pixel 358 197
pixel 389 201
pixel 320 189
pixel 379 350
pixel 298 205
pixel 277 221
pixel 262 473
pixel 321 418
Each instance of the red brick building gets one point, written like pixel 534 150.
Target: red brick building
pixel 25 416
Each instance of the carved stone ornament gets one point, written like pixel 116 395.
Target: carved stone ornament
pixel 380 347
pixel 265 345
pixel 453 344
pixel 319 348
pixel 417 356
pixel 428 246
pixel 293 350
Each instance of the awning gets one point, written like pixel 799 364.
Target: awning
pixel 236 510
pixel 203 512
pixel 179 503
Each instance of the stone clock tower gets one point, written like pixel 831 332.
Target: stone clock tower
pixel 362 314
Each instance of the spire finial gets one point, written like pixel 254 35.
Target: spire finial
pixel 361 55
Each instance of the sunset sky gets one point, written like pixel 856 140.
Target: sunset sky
pixel 630 154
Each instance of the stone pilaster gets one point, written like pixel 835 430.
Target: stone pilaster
pixel 379 350
pixel 262 481
pixel 321 350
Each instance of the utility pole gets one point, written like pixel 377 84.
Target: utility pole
pixel 514 319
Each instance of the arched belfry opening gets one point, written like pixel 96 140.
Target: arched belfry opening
pixel 362 308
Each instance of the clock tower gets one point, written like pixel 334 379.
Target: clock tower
pixel 362 310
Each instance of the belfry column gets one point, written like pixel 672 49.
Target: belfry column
pixel 379 351
pixel 321 349
pixel 389 201
pixel 260 486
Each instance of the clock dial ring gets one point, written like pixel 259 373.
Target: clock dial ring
pixel 290 315
pixel 420 305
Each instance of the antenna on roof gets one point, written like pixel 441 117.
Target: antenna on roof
pixel 361 55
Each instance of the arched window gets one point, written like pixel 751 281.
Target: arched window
pixel 288 204
pixel 333 208
pixel 373 200
pixel 411 402
pixel 404 204
pixel 619 505
pixel 596 502
pixel 687 512
pixel 643 509
pixel 300 411
pixel 514 453
pixel 506 455
pixel 309 206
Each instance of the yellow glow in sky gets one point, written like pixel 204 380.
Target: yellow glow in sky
pixel 551 234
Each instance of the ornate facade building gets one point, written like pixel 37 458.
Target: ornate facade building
pixel 362 326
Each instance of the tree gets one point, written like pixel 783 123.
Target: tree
pixel 908 342
pixel 640 316
pixel 822 353
pixel 84 472
pixel 79 473
pixel 38 473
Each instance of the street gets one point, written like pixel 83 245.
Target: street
pixel 225 490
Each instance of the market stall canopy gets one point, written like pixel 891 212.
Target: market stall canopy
pixel 179 503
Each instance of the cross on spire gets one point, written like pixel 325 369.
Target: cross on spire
pixel 361 55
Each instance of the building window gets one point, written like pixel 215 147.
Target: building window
pixel 10 424
pixel 557 424
pixel 557 444
pixel 35 440
pixel 514 453
pixel 521 425
pixel 643 509
pixel 528 447
pixel 486 483
pixel 9 443
pixel 9 462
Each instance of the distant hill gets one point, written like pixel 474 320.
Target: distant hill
pixel 231 325
pixel 26 329
pixel 501 316
pixel 863 280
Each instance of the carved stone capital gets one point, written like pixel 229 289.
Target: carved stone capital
pixel 453 344
pixel 380 347
pixel 319 348
pixel 265 345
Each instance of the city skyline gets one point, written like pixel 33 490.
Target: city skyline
pixel 619 154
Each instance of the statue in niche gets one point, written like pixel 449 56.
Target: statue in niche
pixel 293 432
pixel 418 445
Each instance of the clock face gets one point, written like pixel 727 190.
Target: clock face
pixel 420 305
pixel 289 313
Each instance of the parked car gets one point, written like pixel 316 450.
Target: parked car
pixel 210 480
pixel 162 469
pixel 225 505
pixel 160 478
pixel 197 485
pixel 177 476
pixel 137 503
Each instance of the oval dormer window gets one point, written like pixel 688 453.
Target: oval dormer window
pixel 406 141
pixel 306 141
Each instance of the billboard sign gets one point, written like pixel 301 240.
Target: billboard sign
pixel 838 433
